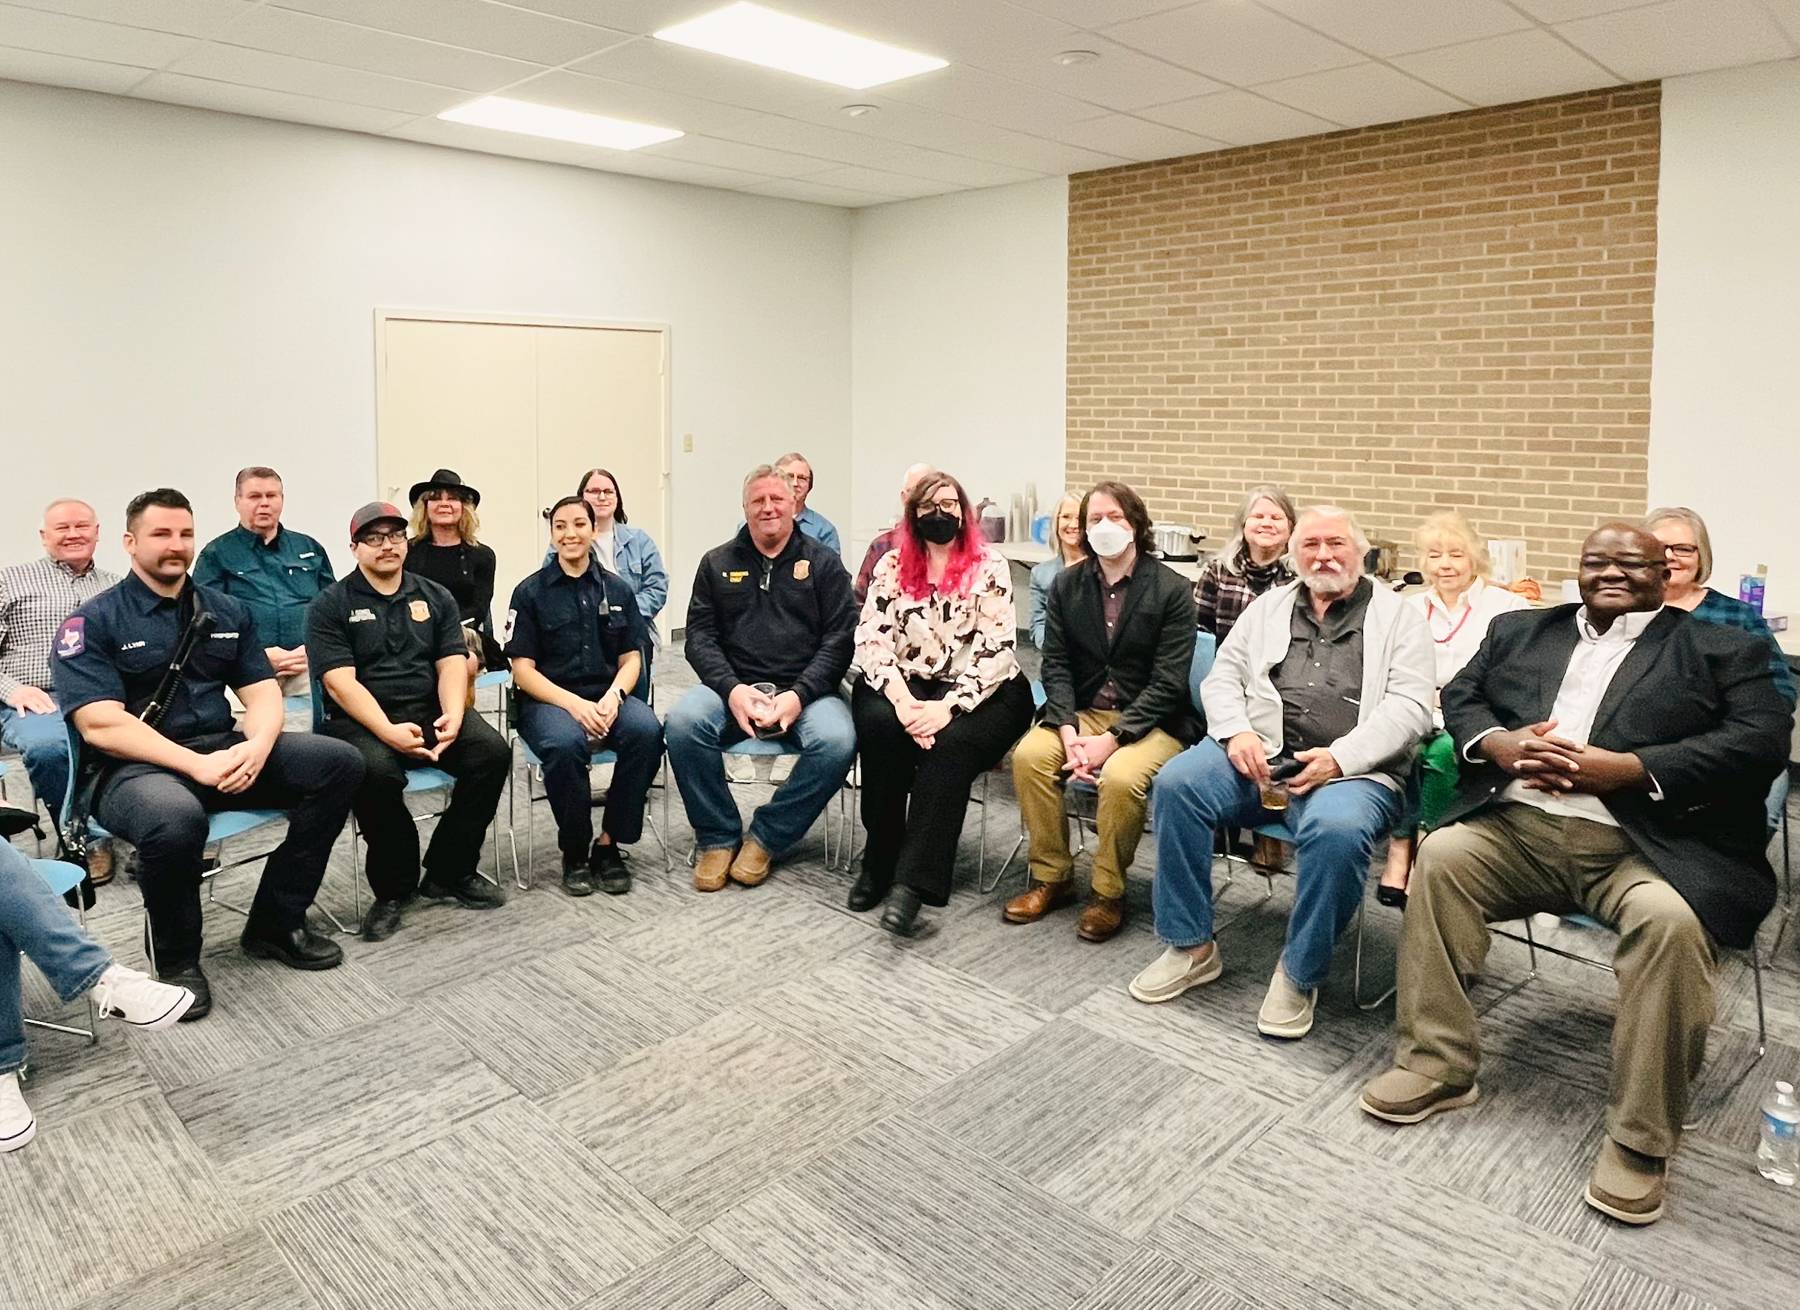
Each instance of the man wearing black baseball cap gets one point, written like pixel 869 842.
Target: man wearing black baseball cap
pixel 388 648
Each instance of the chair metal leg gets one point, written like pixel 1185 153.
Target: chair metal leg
pixel 1356 977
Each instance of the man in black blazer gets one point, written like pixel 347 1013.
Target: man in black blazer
pixel 1118 639
pixel 1617 755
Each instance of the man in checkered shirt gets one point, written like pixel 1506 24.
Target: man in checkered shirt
pixel 35 598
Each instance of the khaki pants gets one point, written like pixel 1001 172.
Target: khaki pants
pixel 1514 860
pixel 1124 799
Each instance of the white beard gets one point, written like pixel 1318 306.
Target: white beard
pixel 1328 583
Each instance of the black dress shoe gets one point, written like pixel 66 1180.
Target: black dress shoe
pixel 382 921
pixel 299 948
pixel 471 890
pixel 608 868
pixel 902 914
pixel 578 878
pixel 1394 897
pixel 190 977
pixel 869 890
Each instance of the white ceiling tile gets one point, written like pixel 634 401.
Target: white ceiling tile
pixel 1239 117
pixel 915 125
pixel 1499 70
pixel 1233 41
pixel 970 93
pixel 288 32
pixel 1361 95
pixel 184 17
pixel 473 24
pixel 869 150
pixel 1561 11
pixel 817 194
pixel 1098 13
pixel 1682 36
pixel 1391 27
pixel 875 181
pixel 640 164
pixel 259 68
pixel 1121 78
pixel 639 104
pixel 638 17
pixel 172 88
pixel 958 30
pixel 710 77
pixel 59 34
pixel 462 136
pixel 65 70
pixel 1136 139
pixel 721 153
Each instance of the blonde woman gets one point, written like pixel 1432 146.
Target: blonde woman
pixel 1253 560
pixel 444 548
pixel 1459 603
pixel 1065 542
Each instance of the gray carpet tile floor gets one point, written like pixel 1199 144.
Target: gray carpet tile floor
pixel 756 1100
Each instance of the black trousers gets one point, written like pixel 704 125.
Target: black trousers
pixel 913 800
pixel 163 814
pixel 478 759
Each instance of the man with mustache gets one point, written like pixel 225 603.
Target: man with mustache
pixel 1314 707
pixel 1616 756
pixel 35 598
pixel 387 647
pixel 159 781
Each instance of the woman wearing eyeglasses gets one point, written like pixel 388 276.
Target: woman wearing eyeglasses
pixel 444 548
pixel 941 698
pixel 1688 547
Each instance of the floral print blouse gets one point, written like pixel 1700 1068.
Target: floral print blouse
pixel 967 640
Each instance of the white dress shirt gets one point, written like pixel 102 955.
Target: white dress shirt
pixel 1592 664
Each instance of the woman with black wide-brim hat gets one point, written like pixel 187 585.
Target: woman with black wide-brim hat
pixel 445 549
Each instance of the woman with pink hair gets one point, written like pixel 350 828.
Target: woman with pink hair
pixel 941 701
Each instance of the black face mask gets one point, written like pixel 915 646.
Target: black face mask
pixel 939 528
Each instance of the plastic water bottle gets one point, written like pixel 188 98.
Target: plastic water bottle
pixel 1778 1152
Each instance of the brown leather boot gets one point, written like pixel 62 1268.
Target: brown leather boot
pixel 1102 918
pixel 1042 897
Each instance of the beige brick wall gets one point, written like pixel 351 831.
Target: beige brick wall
pixel 1453 312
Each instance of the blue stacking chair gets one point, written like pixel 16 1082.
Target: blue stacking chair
pixel 534 770
pixel 220 828
pixel 64 878
pixel 425 778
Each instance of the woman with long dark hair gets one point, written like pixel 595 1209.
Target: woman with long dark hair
pixel 941 699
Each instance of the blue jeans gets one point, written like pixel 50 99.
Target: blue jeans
pixel 700 727
pixel 563 745
pixel 44 742
pixel 1335 830
pixel 34 920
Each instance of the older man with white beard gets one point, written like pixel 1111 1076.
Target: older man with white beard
pixel 1314 707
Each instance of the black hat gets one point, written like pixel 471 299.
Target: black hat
pixel 444 478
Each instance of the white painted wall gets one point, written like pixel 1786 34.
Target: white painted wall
pixel 959 313
pixel 184 292
pixel 1725 380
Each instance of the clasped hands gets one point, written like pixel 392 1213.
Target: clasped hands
pixel 596 717
pixel 1084 755
pixel 922 719
pixel 1545 762
pixel 409 738
pixel 232 769
pixel 752 710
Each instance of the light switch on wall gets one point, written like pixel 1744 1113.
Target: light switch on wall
pixel 687 444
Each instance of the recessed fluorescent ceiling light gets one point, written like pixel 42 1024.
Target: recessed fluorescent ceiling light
pixel 794 45
pixel 522 116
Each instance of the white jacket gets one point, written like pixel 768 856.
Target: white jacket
pixel 1397 684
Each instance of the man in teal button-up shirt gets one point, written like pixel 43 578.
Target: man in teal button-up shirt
pixel 273 570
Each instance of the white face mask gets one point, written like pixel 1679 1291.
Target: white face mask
pixel 1108 539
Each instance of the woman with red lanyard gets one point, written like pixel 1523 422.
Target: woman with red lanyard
pixel 1459 602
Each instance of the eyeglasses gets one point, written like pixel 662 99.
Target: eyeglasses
pixel 377 539
pixel 1632 565
pixel 601 493
pixel 1682 551
pixel 944 505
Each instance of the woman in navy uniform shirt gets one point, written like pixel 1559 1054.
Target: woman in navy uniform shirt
pixel 575 639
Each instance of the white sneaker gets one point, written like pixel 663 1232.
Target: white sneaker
pixel 740 768
pixel 781 768
pixel 1174 971
pixel 17 1126
pixel 1286 1010
pixel 139 999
